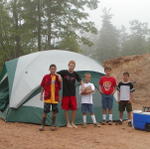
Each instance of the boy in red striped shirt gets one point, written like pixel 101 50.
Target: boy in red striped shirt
pixel 51 85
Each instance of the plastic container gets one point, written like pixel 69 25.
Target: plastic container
pixel 141 120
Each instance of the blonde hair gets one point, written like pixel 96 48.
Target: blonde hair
pixel 71 62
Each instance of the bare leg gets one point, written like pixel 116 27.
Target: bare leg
pixel 104 116
pixel 67 118
pixel 129 118
pixel 110 116
pixel 43 121
pixel 121 115
pixel 109 111
pixel 129 115
pixel 84 115
pixel 53 121
pixel 73 116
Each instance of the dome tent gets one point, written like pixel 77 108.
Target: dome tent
pixel 20 90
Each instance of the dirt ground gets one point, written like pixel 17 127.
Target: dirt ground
pixel 139 68
pixel 27 136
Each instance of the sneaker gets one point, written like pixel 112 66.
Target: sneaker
pixel 74 126
pixel 120 122
pixel 110 123
pixel 41 128
pixel 69 125
pixel 97 125
pixel 103 122
pixel 130 124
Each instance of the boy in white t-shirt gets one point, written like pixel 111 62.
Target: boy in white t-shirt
pixel 125 94
pixel 86 91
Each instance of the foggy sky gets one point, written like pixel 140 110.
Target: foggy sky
pixel 123 11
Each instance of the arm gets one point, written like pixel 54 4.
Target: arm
pixel 59 77
pixel 115 86
pixel 42 88
pixel 114 90
pixel 131 98
pixel 79 79
pixel 100 89
pixel 42 91
pixel 88 90
pixel 132 90
pixel 118 91
pixel 118 96
pixel 100 86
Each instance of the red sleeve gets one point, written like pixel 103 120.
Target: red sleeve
pixel 43 82
pixel 115 82
pixel 101 81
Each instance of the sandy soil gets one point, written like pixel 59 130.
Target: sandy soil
pixel 27 136
pixel 139 68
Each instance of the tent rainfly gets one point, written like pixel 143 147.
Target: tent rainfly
pixel 20 85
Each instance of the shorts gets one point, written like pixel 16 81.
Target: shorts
pixel 69 103
pixel 86 108
pixel 48 106
pixel 107 101
pixel 125 105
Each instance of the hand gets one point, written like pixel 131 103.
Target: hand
pixel 59 76
pixel 118 100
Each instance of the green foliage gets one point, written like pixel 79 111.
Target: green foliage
pixel 138 40
pixel 34 25
pixel 108 41
pixel 111 42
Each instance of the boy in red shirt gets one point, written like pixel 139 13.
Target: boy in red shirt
pixel 51 84
pixel 107 87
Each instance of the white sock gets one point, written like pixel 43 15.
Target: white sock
pixel 121 120
pixel 104 117
pixel 110 117
pixel 84 119
pixel 93 118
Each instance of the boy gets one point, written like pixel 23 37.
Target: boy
pixel 86 91
pixel 125 89
pixel 69 101
pixel 51 84
pixel 107 87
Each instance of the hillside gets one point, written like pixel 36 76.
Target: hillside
pixel 139 68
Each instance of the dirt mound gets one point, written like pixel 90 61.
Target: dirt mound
pixel 139 68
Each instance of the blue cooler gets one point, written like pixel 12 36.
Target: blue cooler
pixel 141 120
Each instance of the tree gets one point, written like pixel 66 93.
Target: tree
pixel 108 42
pixel 5 36
pixel 136 42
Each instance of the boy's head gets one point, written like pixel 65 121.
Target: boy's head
pixel 107 70
pixel 87 77
pixel 126 76
pixel 52 68
pixel 71 65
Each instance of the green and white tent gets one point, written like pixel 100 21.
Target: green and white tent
pixel 20 85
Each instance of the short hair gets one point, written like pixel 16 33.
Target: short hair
pixel 71 62
pixel 126 73
pixel 107 68
pixel 52 65
pixel 87 74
